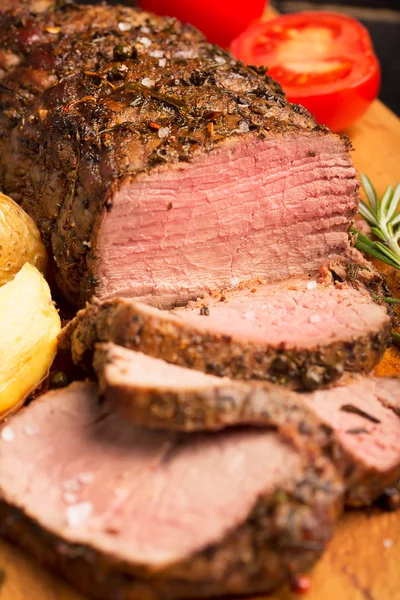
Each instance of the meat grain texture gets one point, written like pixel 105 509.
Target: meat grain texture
pixel 303 332
pixel 155 165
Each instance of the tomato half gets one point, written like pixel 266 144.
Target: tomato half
pixel 220 20
pixel 324 61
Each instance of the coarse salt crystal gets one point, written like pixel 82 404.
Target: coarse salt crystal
pixel 124 26
pixel 145 41
pixel 311 285
pixel 267 307
pixel 250 315
pixel 85 478
pixel 7 434
pixel 78 513
pixel 31 430
pixel 70 498
pixel 162 62
pixel 315 319
pixel 145 29
pixel 243 126
pixel 147 82
pixel 234 282
pixel 121 493
pixel 72 485
pixel 387 543
pixel 157 54
pixel 184 54
pixel 163 132
pixel 220 60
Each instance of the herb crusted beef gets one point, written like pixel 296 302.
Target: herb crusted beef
pixel 303 332
pixel 352 422
pixel 134 514
pixel 155 165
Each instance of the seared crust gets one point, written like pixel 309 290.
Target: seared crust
pixel 214 407
pixel 164 335
pixel 83 96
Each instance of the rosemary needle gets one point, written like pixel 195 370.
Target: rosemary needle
pixel 396 338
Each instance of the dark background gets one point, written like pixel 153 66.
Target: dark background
pixel 382 18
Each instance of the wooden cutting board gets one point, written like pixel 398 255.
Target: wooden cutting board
pixel 362 561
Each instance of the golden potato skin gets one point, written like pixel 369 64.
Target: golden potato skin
pixel 20 240
pixel 29 326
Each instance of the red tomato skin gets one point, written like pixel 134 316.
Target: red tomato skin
pixel 339 110
pixel 220 20
pixel 337 106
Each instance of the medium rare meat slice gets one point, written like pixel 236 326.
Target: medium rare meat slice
pixel 358 431
pixel 155 165
pixel 302 332
pixel 153 393
pixel 366 429
pixel 132 514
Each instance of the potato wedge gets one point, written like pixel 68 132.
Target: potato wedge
pixel 20 240
pixel 29 325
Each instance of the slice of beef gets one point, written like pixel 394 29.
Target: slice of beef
pixel 155 165
pixel 351 422
pixel 302 332
pixel 366 429
pixel 126 513
pixel 153 393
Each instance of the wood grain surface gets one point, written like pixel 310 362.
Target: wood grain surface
pixel 362 561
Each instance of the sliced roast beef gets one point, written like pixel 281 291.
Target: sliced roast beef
pixel 367 430
pixel 361 434
pixel 153 393
pixel 303 332
pixel 155 165
pixel 132 514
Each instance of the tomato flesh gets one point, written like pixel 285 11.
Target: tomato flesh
pixel 221 21
pixel 324 61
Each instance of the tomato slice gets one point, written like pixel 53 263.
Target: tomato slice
pixel 324 61
pixel 221 21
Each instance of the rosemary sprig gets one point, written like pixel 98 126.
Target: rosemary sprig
pixel 384 218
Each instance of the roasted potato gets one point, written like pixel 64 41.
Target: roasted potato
pixel 19 240
pixel 29 325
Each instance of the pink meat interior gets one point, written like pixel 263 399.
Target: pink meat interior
pixel 265 208
pixel 297 312
pixel 130 368
pixel 377 444
pixel 388 390
pixel 149 496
